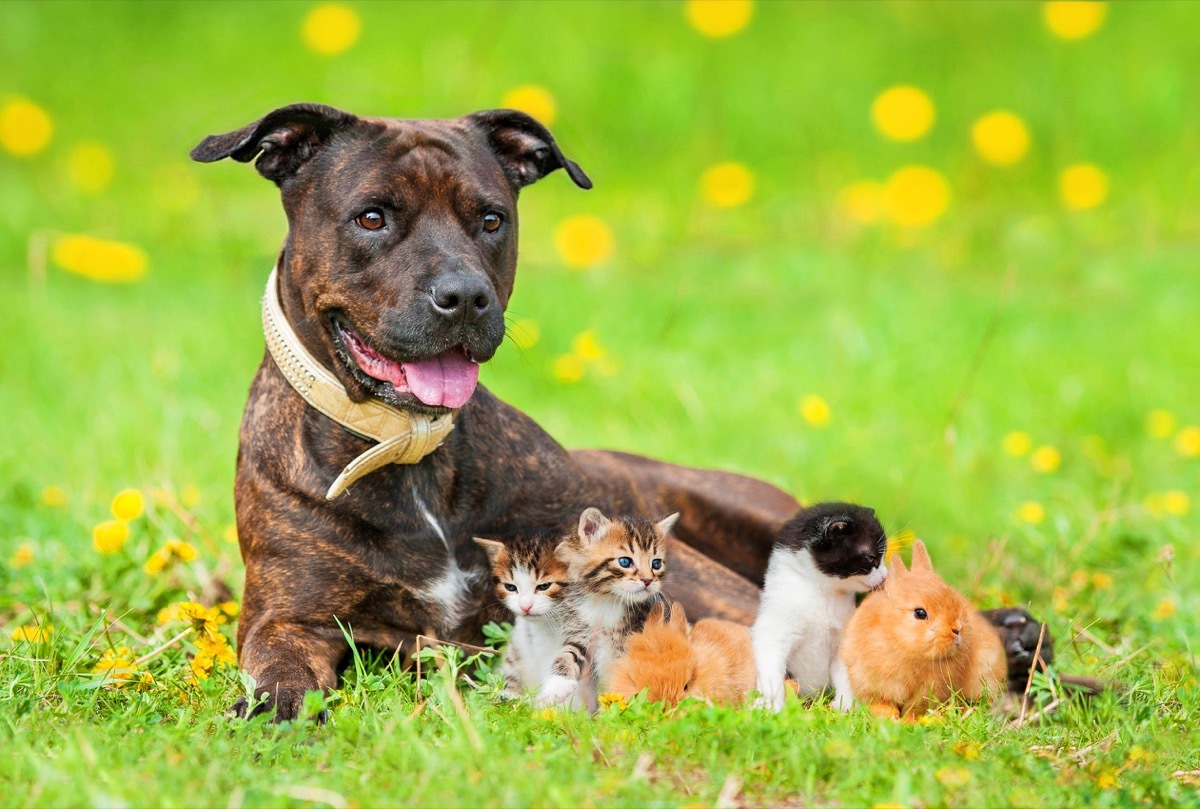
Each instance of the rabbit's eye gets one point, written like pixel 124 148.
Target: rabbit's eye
pixel 920 614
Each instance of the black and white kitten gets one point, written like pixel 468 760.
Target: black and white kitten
pixel 822 558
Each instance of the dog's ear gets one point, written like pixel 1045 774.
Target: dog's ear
pixel 526 149
pixel 286 139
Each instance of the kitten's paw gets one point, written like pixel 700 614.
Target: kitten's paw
pixel 556 690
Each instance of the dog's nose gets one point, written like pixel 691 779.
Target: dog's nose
pixel 461 297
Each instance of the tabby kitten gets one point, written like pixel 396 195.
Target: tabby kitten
pixel 530 581
pixel 616 568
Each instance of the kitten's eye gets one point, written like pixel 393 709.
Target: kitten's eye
pixel 656 564
pixel 920 614
pixel 543 587
pixel 492 222
pixel 370 219
pixel 512 588
pixel 625 562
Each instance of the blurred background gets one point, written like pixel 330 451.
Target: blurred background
pixel 939 258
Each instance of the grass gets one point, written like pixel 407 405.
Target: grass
pixel 929 346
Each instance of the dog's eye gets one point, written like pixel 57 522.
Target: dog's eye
pixel 492 222
pixel 371 219
pixel 920 614
pixel 625 562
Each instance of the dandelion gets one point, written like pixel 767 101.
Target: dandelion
pixel 968 750
pixel 1045 459
pixel 902 113
pixel 1187 442
pixel 54 496
pixel 525 333
pixel 606 700
pixel 184 551
pixel 1176 503
pixel 1058 600
pixel 815 410
pixel 1160 423
pixel 22 556
pixel 898 542
pixel 157 562
pixel 1016 443
pixel 862 201
pixel 168 614
pixel 211 652
pixel 128 504
pixel 230 534
pixel 33 634
pixel 145 680
pixel 719 18
pixel 1107 779
pixel 1082 186
pixel 587 347
pixel 953 776
pixel 1031 512
pixel 1001 138
pixel 110 535
pixel 90 167
pixel 100 259
pixel 1164 610
pixel 1079 579
pixel 546 713
pixel 531 100
pixel 568 368
pixel 916 196
pixel 230 608
pixel 1102 581
pixel 25 128
pixel 583 241
pixel 727 185
pixel 204 620
pixel 117 665
pixel 331 28
pixel 1074 19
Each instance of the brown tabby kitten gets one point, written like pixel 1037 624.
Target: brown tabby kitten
pixel 616 569
pixel 530 581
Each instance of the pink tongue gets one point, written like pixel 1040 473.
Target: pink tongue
pixel 446 380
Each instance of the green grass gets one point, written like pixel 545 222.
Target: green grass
pixel 1008 313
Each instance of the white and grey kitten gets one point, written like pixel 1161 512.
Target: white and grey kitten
pixel 823 557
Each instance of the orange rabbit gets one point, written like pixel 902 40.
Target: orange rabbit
pixel 917 642
pixel 712 660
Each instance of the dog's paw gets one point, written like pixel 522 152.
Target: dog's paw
pixel 286 705
pixel 556 691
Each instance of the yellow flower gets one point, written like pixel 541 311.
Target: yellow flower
pixel 54 496
pixel 1082 186
pixel 331 28
pixel 1016 443
pixel 99 259
pixel 23 555
pixel 1160 423
pixel 230 534
pixel 1164 610
pixel 1138 754
pixel 117 665
pixel 168 614
pixel 218 649
pixel 531 100
pixel 525 333
pixel 1107 779
pixel 157 562
pixel 145 680
pixel 33 634
pixel 727 185
pixel 899 542
pixel 1031 512
pixel 90 166
pixel 719 18
pixel 815 410
pixel 583 241
pixel 1059 601
pixel 1000 137
pixel 25 128
pixel 110 535
pixel 546 713
pixel 1045 459
pixel 1079 579
pixel 190 496
pixel 1187 442
pixel 953 776
pixel 230 608
pixel 916 195
pixel 862 201
pixel 1102 581
pixel 1176 503
pixel 902 113
pixel 1074 19
pixel 204 620
pixel 128 504
pixel 968 750
pixel 606 700
pixel 568 368
pixel 184 551
pixel 587 347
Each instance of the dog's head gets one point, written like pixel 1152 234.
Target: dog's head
pixel 402 239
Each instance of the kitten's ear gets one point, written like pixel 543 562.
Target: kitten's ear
pixel 665 525
pixel 592 525
pixel 565 551
pixel 492 547
pixel 679 619
pixel 920 557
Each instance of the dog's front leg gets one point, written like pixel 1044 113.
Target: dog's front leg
pixel 287 660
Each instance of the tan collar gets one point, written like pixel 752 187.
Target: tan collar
pixel 404 438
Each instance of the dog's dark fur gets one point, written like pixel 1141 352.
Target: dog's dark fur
pixel 393 557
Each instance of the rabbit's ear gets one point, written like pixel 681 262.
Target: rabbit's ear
pixel 920 557
pixel 657 615
pixel 679 619
pixel 896 569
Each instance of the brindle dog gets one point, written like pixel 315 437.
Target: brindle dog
pixel 402 248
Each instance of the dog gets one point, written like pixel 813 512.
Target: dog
pixel 390 289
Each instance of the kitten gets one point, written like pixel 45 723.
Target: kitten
pixel 823 557
pixel 531 582
pixel 616 568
